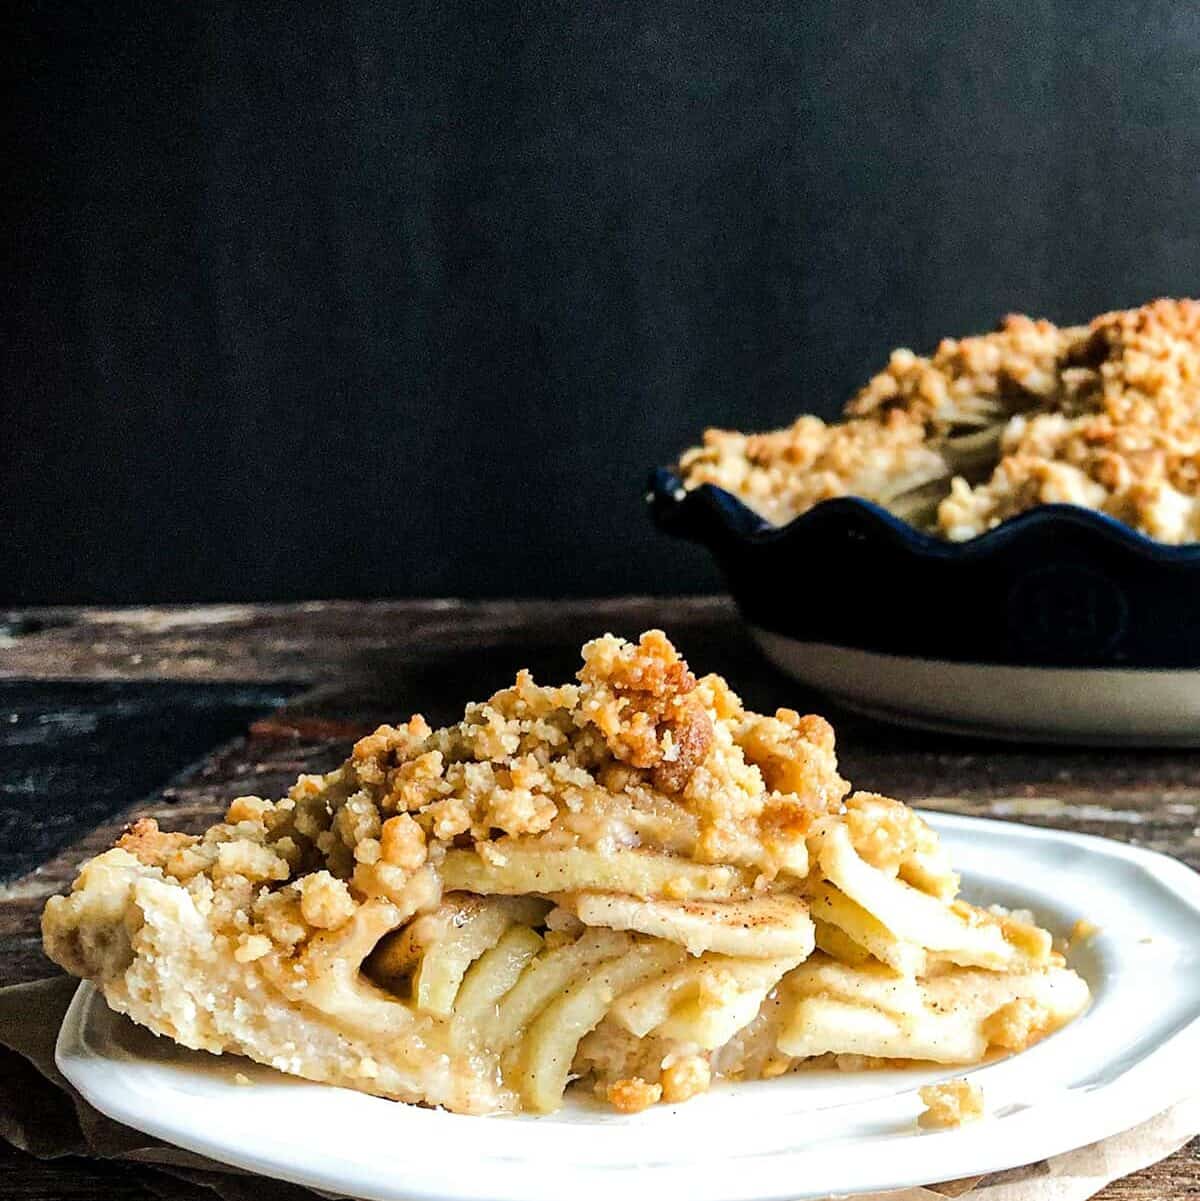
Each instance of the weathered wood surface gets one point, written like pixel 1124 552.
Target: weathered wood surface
pixel 313 642
pixel 364 663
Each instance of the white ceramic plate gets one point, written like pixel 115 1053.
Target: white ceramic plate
pixel 1131 1055
pixel 1088 705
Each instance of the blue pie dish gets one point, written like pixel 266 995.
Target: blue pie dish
pixel 1061 623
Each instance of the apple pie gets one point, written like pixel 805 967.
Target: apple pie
pixel 1104 415
pixel 631 882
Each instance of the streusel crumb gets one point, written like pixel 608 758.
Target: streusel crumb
pixel 1018 1024
pixel 633 1095
pixel 949 1104
pixel 685 1078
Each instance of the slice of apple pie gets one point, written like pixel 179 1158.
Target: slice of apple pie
pixel 631 881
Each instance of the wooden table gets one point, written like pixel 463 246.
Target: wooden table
pixel 99 707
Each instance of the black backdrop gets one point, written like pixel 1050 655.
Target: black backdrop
pixel 396 298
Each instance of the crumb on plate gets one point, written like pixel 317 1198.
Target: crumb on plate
pixel 633 1094
pixel 949 1104
pixel 685 1078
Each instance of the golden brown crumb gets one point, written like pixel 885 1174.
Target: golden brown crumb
pixel 685 1078
pixel 247 809
pixel 951 1103
pixel 885 832
pixel 402 842
pixel 1082 930
pixel 686 740
pixel 152 845
pixel 641 699
pixel 1016 1025
pixel 253 861
pixel 633 1095
pixel 325 901
pixel 251 947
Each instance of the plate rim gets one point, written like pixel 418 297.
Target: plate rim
pixel 1111 1114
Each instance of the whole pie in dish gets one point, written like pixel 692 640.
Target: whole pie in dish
pixel 631 882
pixel 1104 415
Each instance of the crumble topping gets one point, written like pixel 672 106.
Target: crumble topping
pixel 970 381
pixel 638 753
pixel 785 472
pixel 1105 416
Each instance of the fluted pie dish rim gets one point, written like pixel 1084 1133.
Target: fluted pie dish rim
pixel 1058 586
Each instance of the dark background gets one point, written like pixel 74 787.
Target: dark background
pixel 405 299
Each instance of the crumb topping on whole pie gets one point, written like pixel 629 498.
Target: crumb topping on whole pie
pixel 1105 416
pixel 630 879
